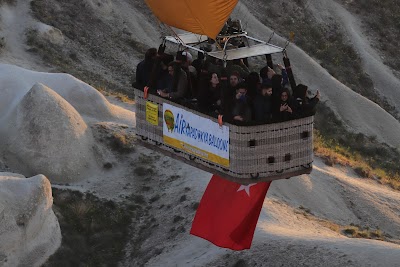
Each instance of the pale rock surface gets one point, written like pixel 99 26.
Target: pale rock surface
pixel 89 102
pixel 45 134
pixel 29 230
pixel 45 124
pixel 103 7
pixel 54 35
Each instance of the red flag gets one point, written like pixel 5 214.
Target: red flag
pixel 228 213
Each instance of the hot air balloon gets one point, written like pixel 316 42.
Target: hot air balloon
pixel 240 153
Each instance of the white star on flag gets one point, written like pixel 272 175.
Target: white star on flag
pixel 245 188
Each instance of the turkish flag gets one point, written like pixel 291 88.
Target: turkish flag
pixel 228 213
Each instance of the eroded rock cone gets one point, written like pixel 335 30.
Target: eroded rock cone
pixel 47 135
pixel 29 230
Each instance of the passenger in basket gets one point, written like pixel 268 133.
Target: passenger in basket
pixel 266 74
pixel 306 106
pixel 191 73
pixel 242 106
pixel 198 62
pixel 179 83
pixel 237 65
pixel 263 105
pixel 277 88
pixel 253 84
pixel 144 69
pixel 209 98
pixel 187 63
pixel 229 94
pixel 234 80
pixel 285 110
pixel 164 80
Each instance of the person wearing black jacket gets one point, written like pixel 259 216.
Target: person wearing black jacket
pixel 242 111
pixel 177 88
pixel 209 96
pixel 263 104
pixel 144 69
pixel 285 108
pixel 305 106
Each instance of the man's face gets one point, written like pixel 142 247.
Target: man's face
pixel 233 80
pixel 170 70
pixel 267 91
pixel 242 91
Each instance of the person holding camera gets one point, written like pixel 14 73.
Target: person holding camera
pixel 285 109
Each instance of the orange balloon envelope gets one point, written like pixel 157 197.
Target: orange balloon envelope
pixel 205 17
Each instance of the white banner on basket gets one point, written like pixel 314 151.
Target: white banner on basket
pixel 196 135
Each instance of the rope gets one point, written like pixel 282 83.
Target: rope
pixel 175 34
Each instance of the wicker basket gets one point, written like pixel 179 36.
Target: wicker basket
pixel 256 153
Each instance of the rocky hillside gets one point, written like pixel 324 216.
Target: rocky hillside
pixel 137 205
pixel 102 41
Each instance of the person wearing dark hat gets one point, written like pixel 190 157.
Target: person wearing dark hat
pixel 305 106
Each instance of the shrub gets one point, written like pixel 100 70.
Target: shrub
pixel 356 231
pixel 94 232
pixel 143 171
pixel 2 42
pixel 366 155
pixel 2 2
pixel 121 142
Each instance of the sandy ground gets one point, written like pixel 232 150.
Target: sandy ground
pixel 286 237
